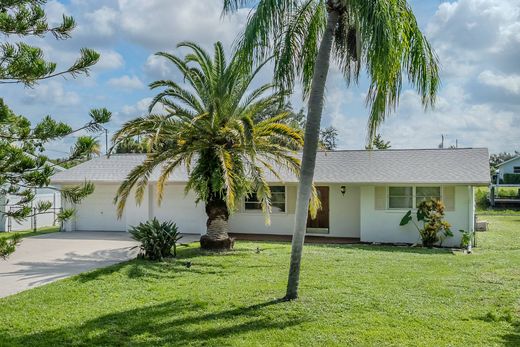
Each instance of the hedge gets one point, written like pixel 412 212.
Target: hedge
pixel 511 178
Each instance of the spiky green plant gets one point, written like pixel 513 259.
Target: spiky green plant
pixel 210 129
pixel 306 35
pixel 158 239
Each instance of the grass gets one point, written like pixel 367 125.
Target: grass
pixel 498 212
pixel 29 233
pixel 350 295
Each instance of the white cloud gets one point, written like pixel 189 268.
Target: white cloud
pixel 51 92
pixel 103 21
pixel 158 67
pixel 109 60
pixel 54 11
pixel 161 24
pixel 472 125
pixel 509 83
pixel 126 82
pixel 469 34
pixel 138 109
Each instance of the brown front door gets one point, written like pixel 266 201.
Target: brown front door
pixel 321 222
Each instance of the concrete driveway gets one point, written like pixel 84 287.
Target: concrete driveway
pixel 46 258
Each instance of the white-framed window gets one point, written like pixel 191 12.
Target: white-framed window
pixel 400 197
pixel 407 197
pixel 516 169
pixel 278 201
pixel 426 193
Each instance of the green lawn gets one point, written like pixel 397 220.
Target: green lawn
pixel 350 295
pixel 28 233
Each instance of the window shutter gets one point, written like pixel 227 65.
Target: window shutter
pixel 290 195
pixel 448 197
pixel 380 198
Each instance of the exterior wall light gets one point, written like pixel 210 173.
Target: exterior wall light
pixel 343 190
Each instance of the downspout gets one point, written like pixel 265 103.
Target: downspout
pixel 471 214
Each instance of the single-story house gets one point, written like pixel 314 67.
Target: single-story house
pixel 511 166
pixel 364 194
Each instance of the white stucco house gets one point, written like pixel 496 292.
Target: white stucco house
pixel 364 194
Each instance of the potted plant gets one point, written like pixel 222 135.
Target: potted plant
pixel 466 240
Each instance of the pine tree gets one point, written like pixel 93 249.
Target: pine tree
pixel 23 165
pixel 378 143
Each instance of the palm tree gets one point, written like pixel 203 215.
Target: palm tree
pixel 210 129
pixel 304 36
pixel 86 147
pixel 130 145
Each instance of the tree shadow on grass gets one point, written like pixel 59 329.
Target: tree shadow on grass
pixel 177 322
pixel 513 338
pixel 170 267
pixel 154 270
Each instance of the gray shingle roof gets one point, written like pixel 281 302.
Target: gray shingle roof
pixel 455 166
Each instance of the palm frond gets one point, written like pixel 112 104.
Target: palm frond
pixel 213 129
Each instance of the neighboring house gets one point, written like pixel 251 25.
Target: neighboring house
pixel 48 218
pixel 8 203
pixel 364 194
pixel 511 166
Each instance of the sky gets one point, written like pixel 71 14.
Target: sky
pixel 477 41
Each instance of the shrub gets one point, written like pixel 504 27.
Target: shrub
pixel 431 214
pixel 8 245
pixel 507 192
pixel 481 199
pixel 157 239
pixel 511 178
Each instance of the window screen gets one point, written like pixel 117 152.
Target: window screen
pixel 400 197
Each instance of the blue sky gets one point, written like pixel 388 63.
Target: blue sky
pixel 478 43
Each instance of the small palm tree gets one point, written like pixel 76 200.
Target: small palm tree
pixel 306 35
pixel 86 147
pixel 210 129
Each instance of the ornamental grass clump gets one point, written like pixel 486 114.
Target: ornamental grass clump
pixel 158 240
pixel 435 229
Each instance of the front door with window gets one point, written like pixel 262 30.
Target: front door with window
pixel 321 223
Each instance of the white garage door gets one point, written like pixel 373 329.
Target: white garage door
pixel 97 212
pixel 189 217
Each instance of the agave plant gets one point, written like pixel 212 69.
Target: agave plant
pixel 211 128
pixel 158 240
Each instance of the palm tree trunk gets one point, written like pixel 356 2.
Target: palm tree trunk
pixel 216 237
pixel 312 130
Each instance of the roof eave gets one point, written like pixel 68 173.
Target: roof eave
pixel 508 161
